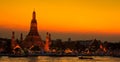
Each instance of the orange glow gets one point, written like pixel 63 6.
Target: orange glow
pixel 87 16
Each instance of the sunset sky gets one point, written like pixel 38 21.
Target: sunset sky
pixel 78 19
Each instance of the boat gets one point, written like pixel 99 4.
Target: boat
pixel 84 57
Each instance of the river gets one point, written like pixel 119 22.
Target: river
pixel 58 59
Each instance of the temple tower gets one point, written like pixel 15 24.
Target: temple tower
pixel 13 42
pixel 47 43
pixel 33 38
pixel 21 37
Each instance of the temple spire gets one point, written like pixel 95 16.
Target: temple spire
pixel 34 15
pixel 33 38
pixel 21 37
pixel 13 42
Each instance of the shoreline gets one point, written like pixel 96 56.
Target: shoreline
pixel 53 55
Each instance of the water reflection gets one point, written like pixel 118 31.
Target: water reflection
pixel 32 59
pixel 58 59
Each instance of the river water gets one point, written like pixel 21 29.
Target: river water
pixel 58 59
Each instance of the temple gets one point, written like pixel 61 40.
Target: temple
pixel 33 38
pixel 47 43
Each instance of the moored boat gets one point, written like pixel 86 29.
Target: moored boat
pixel 84 57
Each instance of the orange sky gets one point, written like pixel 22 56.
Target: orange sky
pixel 74 16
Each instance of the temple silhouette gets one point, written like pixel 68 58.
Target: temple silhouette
pixel 33 45
pixel 33 37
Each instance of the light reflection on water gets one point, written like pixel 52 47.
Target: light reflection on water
pixel 58 59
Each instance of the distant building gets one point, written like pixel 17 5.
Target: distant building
pixel 5 45
pixel 33 38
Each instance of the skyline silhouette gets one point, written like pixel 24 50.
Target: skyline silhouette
pixel 78 20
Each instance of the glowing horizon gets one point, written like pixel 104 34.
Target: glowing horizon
pixel 74 16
